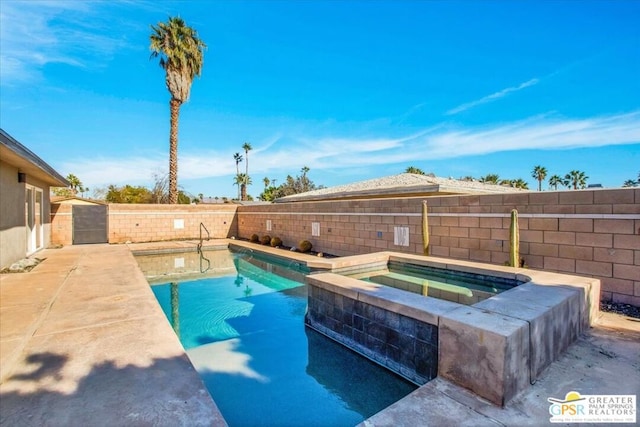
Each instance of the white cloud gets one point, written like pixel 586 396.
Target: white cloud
pixel 494 96
pixel 283 154
pixel 537 133
pixel 36 33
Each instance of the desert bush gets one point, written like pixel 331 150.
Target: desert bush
pixel 304 246
pixel 276 241
pixel 254 238
pixel 265 240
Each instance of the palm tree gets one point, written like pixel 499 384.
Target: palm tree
pixel 181 56
pixel 246 147
pixel 238 158
pixel 414 170
pixel 239 181
pixel 266 181
pixel 627 183
pixel 539 173
pixel 577 179
pixel 242 180
pixel 556 180
pixel 519 183
pixel 75 185
pixel 492 178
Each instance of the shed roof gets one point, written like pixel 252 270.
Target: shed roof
pixel 75 200
pixel 402 185
pixel 16 154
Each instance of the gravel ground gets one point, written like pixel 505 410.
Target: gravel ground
pixel 619 308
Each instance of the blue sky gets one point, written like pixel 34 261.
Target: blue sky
pixel 351 89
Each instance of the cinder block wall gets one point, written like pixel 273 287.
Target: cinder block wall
pixel 149 223
pixel 592 233
pixel 61 224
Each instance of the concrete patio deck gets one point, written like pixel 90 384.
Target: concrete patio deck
pixel 83 342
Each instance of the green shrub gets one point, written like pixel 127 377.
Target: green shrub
pixel 254 238
pixel 276 241
pixel 265 240
pixel 304 246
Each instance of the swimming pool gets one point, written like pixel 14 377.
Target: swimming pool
pixel 245 334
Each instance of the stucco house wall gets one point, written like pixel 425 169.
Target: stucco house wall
pixel 13 242
pixel 21 170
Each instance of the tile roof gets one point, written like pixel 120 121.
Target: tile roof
pixel 402 185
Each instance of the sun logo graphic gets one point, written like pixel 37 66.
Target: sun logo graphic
pixel 597 408
pixel 570 406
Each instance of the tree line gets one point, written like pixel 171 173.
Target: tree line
pixel 574 179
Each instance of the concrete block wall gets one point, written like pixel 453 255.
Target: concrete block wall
pixel 61 224
pixel 149 223
pixel 593 233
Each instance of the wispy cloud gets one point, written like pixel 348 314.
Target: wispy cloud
pixel 324 153
pixel 37 33
pixel 537 133
pixel 490 98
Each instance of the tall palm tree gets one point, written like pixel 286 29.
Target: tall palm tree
pixel 181 56
pixel 246 147
pixel 238 158
pixel 556 180
pixel 266 181
pixel 539 173
pixel 577 179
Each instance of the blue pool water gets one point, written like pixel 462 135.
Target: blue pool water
pixel 245 335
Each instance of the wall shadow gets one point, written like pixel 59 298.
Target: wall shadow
pixel 166 393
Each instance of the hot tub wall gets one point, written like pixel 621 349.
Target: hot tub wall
pixel 373 321
pixel 495 348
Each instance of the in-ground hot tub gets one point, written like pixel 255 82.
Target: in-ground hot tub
pixel 451 285
pixel 494 347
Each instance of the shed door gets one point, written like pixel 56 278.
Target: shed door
pixel 90 224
